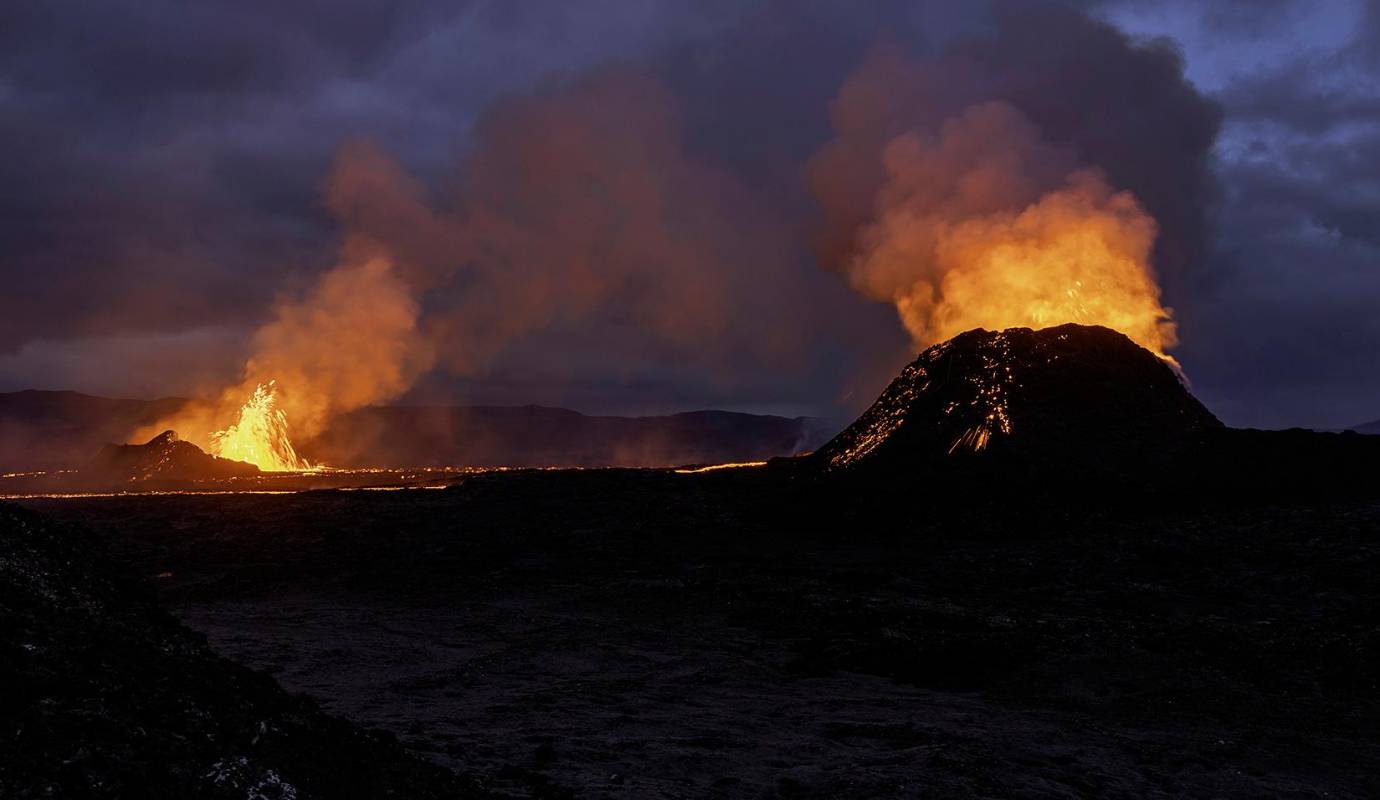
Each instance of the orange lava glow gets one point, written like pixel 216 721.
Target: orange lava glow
pixel 260 435
pixel 717 467
pixel 1080 254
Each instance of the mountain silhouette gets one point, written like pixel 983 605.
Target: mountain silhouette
pixel 1070 397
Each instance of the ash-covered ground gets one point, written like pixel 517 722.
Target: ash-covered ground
pixel 758 633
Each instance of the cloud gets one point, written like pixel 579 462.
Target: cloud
pixel 1284 330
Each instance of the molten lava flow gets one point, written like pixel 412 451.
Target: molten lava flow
pixel 717 467
pixel 260 437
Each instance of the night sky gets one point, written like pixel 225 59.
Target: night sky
pixel 173 170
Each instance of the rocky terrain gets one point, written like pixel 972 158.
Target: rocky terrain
pixel 737 634
pixel 106 695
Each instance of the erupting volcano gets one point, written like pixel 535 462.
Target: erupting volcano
pixel 490 381
pixel 1074 397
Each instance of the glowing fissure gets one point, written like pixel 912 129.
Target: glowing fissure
pixel 717 467
pixel 990 386
pixel 260 435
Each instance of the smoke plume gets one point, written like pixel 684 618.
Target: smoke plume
pixel 352 340
pixel 578 206
pixel 577 210
pixel 656 219
pixel 983 224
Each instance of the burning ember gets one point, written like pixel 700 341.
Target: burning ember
pixel 260 437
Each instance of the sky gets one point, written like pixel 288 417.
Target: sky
pixel 653 206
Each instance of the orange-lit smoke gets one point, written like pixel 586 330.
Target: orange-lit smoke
pixel 351 340
pixel 578 210
pixel 982 224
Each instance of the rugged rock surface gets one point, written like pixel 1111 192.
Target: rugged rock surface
pixel 638 634
pixel 1071 397
pixel 164 458
pixel 106 695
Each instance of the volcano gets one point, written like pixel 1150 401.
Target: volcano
pixel 1071 397
pixel 165 457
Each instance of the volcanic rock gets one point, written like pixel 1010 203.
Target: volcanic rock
pixel 165 458
pixel 107 695
pixel 1069 398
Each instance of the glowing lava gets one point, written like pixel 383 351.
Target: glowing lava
pixel 1080 254
pixel 260 436
pixel 717 467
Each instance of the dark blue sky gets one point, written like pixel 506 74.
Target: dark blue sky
pixel 165 167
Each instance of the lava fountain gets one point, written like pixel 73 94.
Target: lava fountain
pixel 259 435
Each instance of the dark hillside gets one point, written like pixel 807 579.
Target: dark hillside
pixel 106 695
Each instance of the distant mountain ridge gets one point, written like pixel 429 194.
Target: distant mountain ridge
pixel 48 430
pixel 401 436
pixel 1369 427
